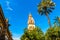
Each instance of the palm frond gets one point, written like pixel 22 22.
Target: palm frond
pixel 49 10
pixel 52 8
pixel 46 6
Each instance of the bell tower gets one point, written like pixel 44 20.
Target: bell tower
pixel 31 22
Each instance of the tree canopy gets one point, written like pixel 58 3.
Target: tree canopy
pixel 53 33
pixel 35 34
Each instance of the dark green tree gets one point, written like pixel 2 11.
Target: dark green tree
pixel 35 34
pixel 49 33
pixel 45 7
pixel 53 33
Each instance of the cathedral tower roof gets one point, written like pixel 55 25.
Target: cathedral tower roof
pixel 30 19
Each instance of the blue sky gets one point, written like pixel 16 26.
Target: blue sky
pixel 17 12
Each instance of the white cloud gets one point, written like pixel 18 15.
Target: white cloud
pixel 7 2
pixel 8 5
pixel 9 8
pixel 16 36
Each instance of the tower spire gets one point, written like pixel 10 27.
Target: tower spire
pixel 31 23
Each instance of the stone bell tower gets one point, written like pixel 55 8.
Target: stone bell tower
pixel 31 22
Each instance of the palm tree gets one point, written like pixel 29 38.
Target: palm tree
pixel 57 21
pixel 45 7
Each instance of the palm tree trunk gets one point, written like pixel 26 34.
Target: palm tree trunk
pixel 48 19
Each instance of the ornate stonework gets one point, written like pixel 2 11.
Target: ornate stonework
pixel 4 27
pixel 31 23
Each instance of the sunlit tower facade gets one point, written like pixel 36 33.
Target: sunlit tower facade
pixel 31 22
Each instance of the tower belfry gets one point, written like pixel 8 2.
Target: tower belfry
pixel 31 22
pixel 4 30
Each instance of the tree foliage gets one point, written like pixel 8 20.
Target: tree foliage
pixel 45 7
pixel 35 34
pixel 57 21
pixel 53 33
